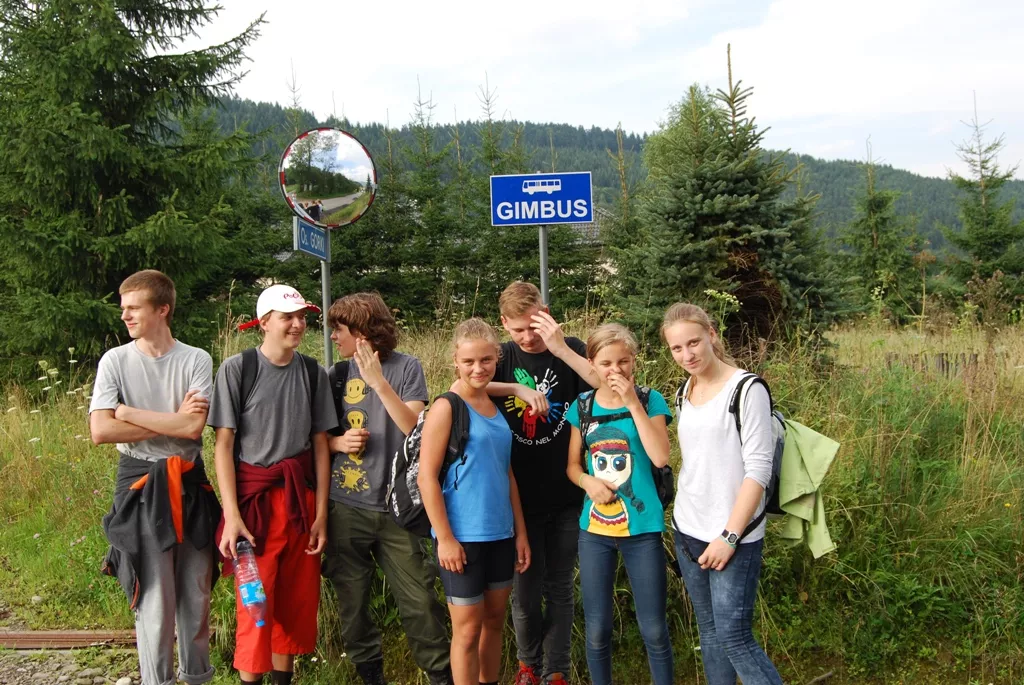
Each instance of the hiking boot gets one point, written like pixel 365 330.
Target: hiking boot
pixel 526 675
pixel 372 672
pixel 557 679
pixel 442 677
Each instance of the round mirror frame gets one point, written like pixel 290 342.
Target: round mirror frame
pixel 294 205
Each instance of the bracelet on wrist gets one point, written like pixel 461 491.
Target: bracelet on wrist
pixel 579 483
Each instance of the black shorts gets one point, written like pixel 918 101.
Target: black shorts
pixel 489 566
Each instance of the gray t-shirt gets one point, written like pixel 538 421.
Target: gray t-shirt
pixel 362 479
pixel 277 420
pixel 127 376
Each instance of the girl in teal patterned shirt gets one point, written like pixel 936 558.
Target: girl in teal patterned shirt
pixel 622 514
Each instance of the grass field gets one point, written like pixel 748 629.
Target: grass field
pixel 924 501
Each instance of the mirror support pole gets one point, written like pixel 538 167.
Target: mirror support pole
pixel 544 265
pixel 325 287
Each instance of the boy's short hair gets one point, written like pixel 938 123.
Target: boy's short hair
pixel 367 315
pixel 518 298
pixel 159 286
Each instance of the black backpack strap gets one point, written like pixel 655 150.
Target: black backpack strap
pixel 457 437
pixel 585 409
pixel 681 394
pixel 737 396
pixel 643 393
pixel 735 407
pixel 250 369
pixel 338 377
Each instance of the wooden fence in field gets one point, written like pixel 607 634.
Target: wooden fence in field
pixel 947 364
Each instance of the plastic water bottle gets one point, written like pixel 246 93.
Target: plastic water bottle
pixel 250 587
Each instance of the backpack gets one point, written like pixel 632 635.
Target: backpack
pixel 250 370
pixel 338 376
pixel 739 394
pixel 403 496
pixel 664 479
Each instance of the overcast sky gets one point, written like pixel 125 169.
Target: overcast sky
pixel 827 74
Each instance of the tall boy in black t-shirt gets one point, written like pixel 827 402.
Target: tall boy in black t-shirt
pixel 540 373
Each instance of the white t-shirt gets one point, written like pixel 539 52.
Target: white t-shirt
pixel 715 463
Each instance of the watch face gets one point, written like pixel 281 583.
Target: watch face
pixel 733 537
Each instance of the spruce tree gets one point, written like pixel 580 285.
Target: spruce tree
pixel 716 218
pixel 989 237
pixel 105 167
pixel 880 249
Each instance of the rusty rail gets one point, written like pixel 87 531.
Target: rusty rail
pixel 64 639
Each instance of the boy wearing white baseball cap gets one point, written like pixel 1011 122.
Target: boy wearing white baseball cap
pixel 271 409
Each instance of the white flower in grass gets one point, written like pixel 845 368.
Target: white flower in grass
pixel 72 361
pixel 57 382
pixel 43 364
pixel 47 388
pixel 70 392
pixel 79 437
pixel 41 378
pixel 53 372
pixel 34 411
pixel 11 409
pixel 81 406
pixel 32 440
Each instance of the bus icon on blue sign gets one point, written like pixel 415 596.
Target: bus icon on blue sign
pixel 537 199
pixel 542 186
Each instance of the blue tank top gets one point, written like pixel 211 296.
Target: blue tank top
pixel 480 508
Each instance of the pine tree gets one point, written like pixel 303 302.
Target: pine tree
pixel 881 247
pixel 716 218
pixel 106 167
pixel 989 236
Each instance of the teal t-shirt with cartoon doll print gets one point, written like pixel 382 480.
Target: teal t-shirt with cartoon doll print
pixel 615 453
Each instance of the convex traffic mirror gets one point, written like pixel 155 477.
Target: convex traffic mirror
pixel 328 177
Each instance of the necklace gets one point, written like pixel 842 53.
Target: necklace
pixel 702 386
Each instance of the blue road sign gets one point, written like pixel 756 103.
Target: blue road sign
pixel 530 199
pixel 310 239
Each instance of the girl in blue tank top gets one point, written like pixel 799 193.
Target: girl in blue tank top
pixel 476 518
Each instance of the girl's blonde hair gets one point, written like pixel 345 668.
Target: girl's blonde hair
pixel 691 313
pixel 475 329
pixel 609 334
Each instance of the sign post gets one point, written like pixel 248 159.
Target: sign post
pixel 542 200
pixel 325 287
pixel 316 242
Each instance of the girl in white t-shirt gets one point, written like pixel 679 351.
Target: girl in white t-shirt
pixel 721 489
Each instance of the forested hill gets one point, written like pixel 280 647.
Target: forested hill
pixel 575 148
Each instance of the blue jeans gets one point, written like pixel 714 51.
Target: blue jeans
pixel 644 558
pixel 724 604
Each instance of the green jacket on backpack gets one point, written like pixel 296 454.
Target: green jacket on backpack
pixel 805 461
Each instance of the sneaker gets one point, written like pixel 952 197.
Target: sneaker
pixel 526 675
pixel 372 672
pixel 557 679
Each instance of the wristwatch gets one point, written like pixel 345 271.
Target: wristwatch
pixel 731 538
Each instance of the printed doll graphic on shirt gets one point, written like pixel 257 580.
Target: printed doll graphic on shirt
pixel 611 460
pixel 514 405
pixel 350 475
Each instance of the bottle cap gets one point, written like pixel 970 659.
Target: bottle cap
pixel 259 624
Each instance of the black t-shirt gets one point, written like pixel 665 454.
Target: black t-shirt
pixel 540 445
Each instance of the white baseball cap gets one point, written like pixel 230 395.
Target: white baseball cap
pixel 279 298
